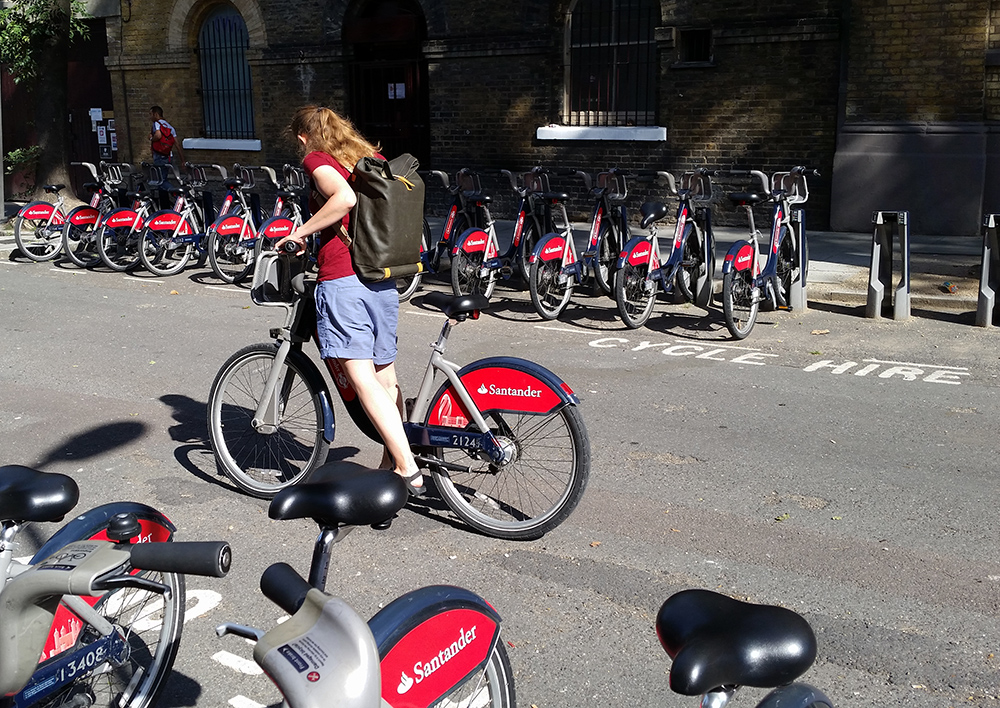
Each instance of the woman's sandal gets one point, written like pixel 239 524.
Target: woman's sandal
pixel 412 488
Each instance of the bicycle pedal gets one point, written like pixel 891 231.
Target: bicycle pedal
pixel 784 308
pixel 506 272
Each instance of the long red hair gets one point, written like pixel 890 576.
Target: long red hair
pixel 327 131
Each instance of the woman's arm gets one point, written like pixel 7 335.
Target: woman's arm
pixel 340 199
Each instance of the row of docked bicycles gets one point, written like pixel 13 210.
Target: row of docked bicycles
pixel 631 268
pixel 122 227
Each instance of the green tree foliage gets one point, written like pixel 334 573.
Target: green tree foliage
pixel 29 27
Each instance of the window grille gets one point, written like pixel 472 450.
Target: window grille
pixel 226 85
pixel 694 46
pixel 612 67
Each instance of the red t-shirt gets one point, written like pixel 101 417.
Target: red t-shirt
pixel 334 257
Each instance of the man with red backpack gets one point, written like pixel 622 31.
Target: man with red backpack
pixel 163 141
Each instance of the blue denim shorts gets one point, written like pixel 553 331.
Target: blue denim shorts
pixel 356 320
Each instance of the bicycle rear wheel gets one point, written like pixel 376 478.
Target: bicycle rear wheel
pixel 407 285
pixel 37 239
pixel 467 276
pixel 535 490
pixel 635 294
pixel 262 460
pixel 151 625
pixel 162 255
pixel 739 306
pixel 230 257
pixel 118 247
pixel 550 288
pixel 80 244
pixel 493 687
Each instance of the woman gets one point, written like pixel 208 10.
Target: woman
pixel 356 320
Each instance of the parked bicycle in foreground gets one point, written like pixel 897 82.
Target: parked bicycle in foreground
pixel 688 267
pixel 94 618
pixel 437 646
pixel 718 644
pixel 748 277
pixel 502 438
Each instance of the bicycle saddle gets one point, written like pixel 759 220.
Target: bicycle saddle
pixel 554 196
pixel 748 198
pixel 348 494
pixel 456 307
pixel 717 641
pixel 477 197
pixel 53 188
pixel 30 495
pixel 652 211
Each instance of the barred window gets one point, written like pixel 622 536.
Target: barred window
pixel 611 63
pixel 226 86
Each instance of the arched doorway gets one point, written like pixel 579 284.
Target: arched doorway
pixel 388 99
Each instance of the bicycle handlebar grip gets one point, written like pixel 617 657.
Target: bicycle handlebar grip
pixel 290 248
pixel 209 558
pixel 282 585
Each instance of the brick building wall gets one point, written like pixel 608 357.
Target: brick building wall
pixel 816 82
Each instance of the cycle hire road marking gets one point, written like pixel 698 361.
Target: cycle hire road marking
pixel 907 371
pixel 712 352
pixel 877 368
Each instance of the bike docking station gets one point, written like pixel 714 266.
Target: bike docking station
pixel 798 298
pixel 988 280
pixel 880 273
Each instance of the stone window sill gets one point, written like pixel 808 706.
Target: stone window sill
pixel 601 132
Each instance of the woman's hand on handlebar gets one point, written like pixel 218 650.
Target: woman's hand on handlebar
pixel 297 240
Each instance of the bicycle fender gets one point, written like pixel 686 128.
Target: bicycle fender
pixel 550 247
pixel 739 257
pixel 83 216
pixel 501 383
pixel 122 216
pixel 167 220
pixel 41 210
pixel 471 241
pixel 276 227
pixel 229 224
pixel 635 252
pixel 93 525
pixel 796 695
pixel 430 640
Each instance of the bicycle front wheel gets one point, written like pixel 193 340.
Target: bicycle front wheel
pixel 529 239
pixel 786 265
pixel 37 239
pixel 635 294
pixel 230 256
pixel 535 490
pixel 80 244
pixel 692 262
pixel 264 457
pixel 739 306
pixel 606 258
pixel 467 274
pixel 493 687
pixel 151 624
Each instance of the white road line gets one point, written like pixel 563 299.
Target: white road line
pixel 243 702
pixel 143 280
pixel 426 314
pixel 565 329
pixel 225 289
pixel 237 663
pixel 922 366
pixel 72 272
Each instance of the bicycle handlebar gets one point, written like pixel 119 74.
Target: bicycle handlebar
pixel 209 558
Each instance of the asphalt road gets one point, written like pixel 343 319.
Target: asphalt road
pixel 839 466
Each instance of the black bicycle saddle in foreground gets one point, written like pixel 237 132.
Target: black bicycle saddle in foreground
pixel 717 641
